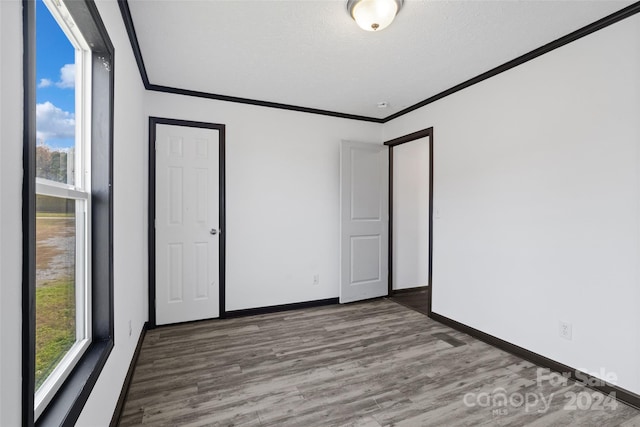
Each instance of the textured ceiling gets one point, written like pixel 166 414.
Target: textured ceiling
pixel 310 53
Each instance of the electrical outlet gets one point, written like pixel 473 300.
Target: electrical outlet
pixel 565 330
pixel 129 327
pixel 316 279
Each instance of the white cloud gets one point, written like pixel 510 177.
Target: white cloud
pixel 67 77
pixel 53 122
pixel 45 83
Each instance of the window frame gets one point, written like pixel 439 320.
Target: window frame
pixel 79 191
pixel 67 403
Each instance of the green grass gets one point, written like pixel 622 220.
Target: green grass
pixel 55 325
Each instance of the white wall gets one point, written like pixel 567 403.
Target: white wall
pixel 10 211
pixel 130 221
pixel 282 196
pixel 411 214
pixel 537 185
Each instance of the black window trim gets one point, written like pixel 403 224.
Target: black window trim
pixel 66 406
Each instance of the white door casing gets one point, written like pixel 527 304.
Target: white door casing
pixel 364 230
pixel 187 224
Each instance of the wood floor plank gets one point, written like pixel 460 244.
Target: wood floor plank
pixel 370 364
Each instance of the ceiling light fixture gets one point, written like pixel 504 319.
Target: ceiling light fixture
pixel 374 15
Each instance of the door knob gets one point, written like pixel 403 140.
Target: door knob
pixel 213 231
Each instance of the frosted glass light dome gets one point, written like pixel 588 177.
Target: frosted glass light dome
pixel 373 15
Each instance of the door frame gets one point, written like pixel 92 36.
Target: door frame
pixel 424 133
pixel 153 122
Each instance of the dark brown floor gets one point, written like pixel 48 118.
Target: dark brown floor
pixel 416 299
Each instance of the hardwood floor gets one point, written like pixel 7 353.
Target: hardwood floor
pixel 416 299
pixel 367 364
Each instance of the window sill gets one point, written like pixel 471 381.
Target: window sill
pixel 66 406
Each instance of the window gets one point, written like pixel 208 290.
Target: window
pixel 63 203
pixel 67 214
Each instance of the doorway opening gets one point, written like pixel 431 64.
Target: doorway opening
pixel 411 220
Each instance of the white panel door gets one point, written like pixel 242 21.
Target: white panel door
pixel 364 229
pixel 186 224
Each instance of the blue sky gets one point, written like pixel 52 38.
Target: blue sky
pixel 55 77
